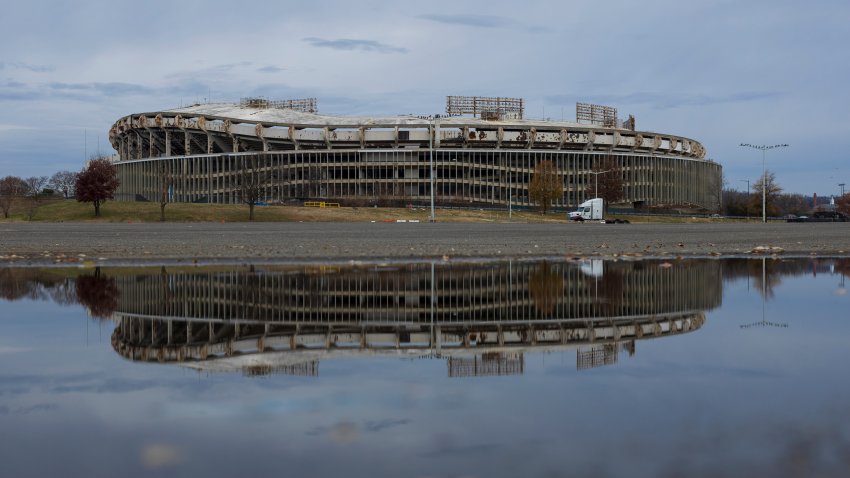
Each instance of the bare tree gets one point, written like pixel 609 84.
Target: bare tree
pixel 609 178
pixel 766 183
pixel 97 182
pixel 11 188
pixel 843 203
pixel 63 181
pixel 546 185
pixel 34 189
pixel 252 182
pixel 717 187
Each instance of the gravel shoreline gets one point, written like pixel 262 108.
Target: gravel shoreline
pixel 154 243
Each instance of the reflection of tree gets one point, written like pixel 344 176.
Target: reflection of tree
pixel 35 284
pixel 98 293
pixel 546 286
pixel 842 266
pixel 611 289
pixel 767 275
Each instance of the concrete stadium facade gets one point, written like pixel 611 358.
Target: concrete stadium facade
pixel 208 148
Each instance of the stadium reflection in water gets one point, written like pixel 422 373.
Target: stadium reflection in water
pixel 480 318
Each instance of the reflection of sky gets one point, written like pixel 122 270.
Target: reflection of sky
pixel 759 400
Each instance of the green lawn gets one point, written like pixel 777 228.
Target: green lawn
pixel 72 211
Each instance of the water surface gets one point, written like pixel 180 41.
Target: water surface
pixel 529 368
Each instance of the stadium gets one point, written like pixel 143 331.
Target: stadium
pixel 482 152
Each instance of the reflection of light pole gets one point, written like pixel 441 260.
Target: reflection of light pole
pixel 763 148
pixel 747 204
pixel 763 322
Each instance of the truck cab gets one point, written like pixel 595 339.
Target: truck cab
pixel 589 210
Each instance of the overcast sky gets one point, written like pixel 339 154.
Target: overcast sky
pixel 720 72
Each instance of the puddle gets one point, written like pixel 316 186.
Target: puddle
pixel 514 368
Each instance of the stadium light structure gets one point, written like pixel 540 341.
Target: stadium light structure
pixel 763 149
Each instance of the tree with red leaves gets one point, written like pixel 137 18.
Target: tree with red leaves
pixel 97 182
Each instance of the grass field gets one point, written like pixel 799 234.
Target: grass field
pixel 72 211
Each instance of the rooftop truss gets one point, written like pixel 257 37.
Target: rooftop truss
pixel 487 107
pixel 596 114
pixel 305 105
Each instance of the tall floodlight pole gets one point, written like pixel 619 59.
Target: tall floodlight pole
pixel 747 204
pixel 596 179
pixel 431 160
pixel 763 149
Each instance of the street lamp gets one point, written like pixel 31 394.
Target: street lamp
pixel 747 204
pixel 431 129
pixel 596 179
pixel 763 148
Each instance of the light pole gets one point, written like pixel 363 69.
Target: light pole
pixel 747 204
pixel 596 179
pixel 763 148
pixel 431 123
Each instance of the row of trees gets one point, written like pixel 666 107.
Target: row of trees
pixel 33 189
pixel 776 202
pixel 96 183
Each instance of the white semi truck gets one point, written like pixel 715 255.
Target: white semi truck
pixel 590 210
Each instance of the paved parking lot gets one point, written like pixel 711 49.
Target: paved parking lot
pixel 151 242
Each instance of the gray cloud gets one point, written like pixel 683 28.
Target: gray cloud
pixel 210 71
pixel 480 21
pixel 667 100
pixel 349 44
pixel 376 426
pixel 270 69
pixel 28 66
pixel 102 89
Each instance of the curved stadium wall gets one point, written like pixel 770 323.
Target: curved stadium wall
pixel 207 150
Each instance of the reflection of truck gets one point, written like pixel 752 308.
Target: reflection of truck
pixel 588 211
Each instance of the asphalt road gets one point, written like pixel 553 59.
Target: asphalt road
pixel 213 242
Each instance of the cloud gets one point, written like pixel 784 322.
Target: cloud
pixel 40 407
pixel 667 100
pixel 384 424
pixel 102 89
pixel 270 69
pixel 479 21
pixel 348 44
pixel 212 71
pixel 28 66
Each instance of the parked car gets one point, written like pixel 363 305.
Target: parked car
pixel 823 216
